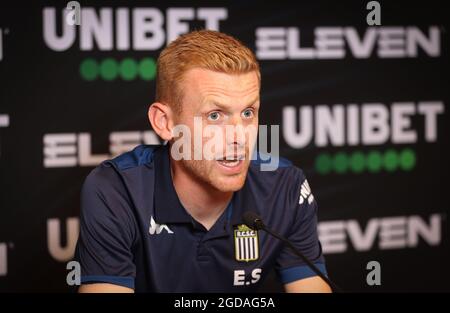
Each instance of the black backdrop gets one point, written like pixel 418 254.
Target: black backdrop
pixel 381 190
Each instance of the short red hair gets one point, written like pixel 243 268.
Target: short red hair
pixel 205 49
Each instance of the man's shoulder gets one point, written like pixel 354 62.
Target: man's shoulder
pixel 265 167
pixel 121 180
pixel 140 155
pixel 110 171
pixel 282 180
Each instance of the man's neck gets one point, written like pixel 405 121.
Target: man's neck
pixel 203 202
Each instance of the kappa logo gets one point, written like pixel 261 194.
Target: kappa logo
pixel 246 244
pixel 156 229
pixel 305 193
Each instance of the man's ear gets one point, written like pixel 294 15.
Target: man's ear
pixel 160 117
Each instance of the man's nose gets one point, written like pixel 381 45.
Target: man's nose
pixel 235 132
pixel 235 120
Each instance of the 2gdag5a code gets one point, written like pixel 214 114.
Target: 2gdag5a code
pixel 245 303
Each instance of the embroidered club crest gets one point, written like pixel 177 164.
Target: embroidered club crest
pixel 246 244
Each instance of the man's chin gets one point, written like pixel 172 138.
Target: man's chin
pixel 229 184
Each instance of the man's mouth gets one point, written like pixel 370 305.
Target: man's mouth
pixel 231 161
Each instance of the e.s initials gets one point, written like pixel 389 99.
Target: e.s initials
pixel 240 277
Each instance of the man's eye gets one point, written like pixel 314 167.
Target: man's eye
pixel 248 113
pixel 214 116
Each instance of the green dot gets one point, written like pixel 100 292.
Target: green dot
pixel 147 69
pixel 340 162
pixel 109 69
pixel 128 69
pixel 390 160
pixel 407 159
pixel 357 162
pixel 89 69
pixel 323 163
pixel 374 161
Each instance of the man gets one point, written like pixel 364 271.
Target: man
pixel 154 221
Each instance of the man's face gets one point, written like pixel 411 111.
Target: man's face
pixel 227 104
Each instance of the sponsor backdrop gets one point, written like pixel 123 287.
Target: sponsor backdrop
pixel 363 109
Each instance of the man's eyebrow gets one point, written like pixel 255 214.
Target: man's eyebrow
pixel 224 106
